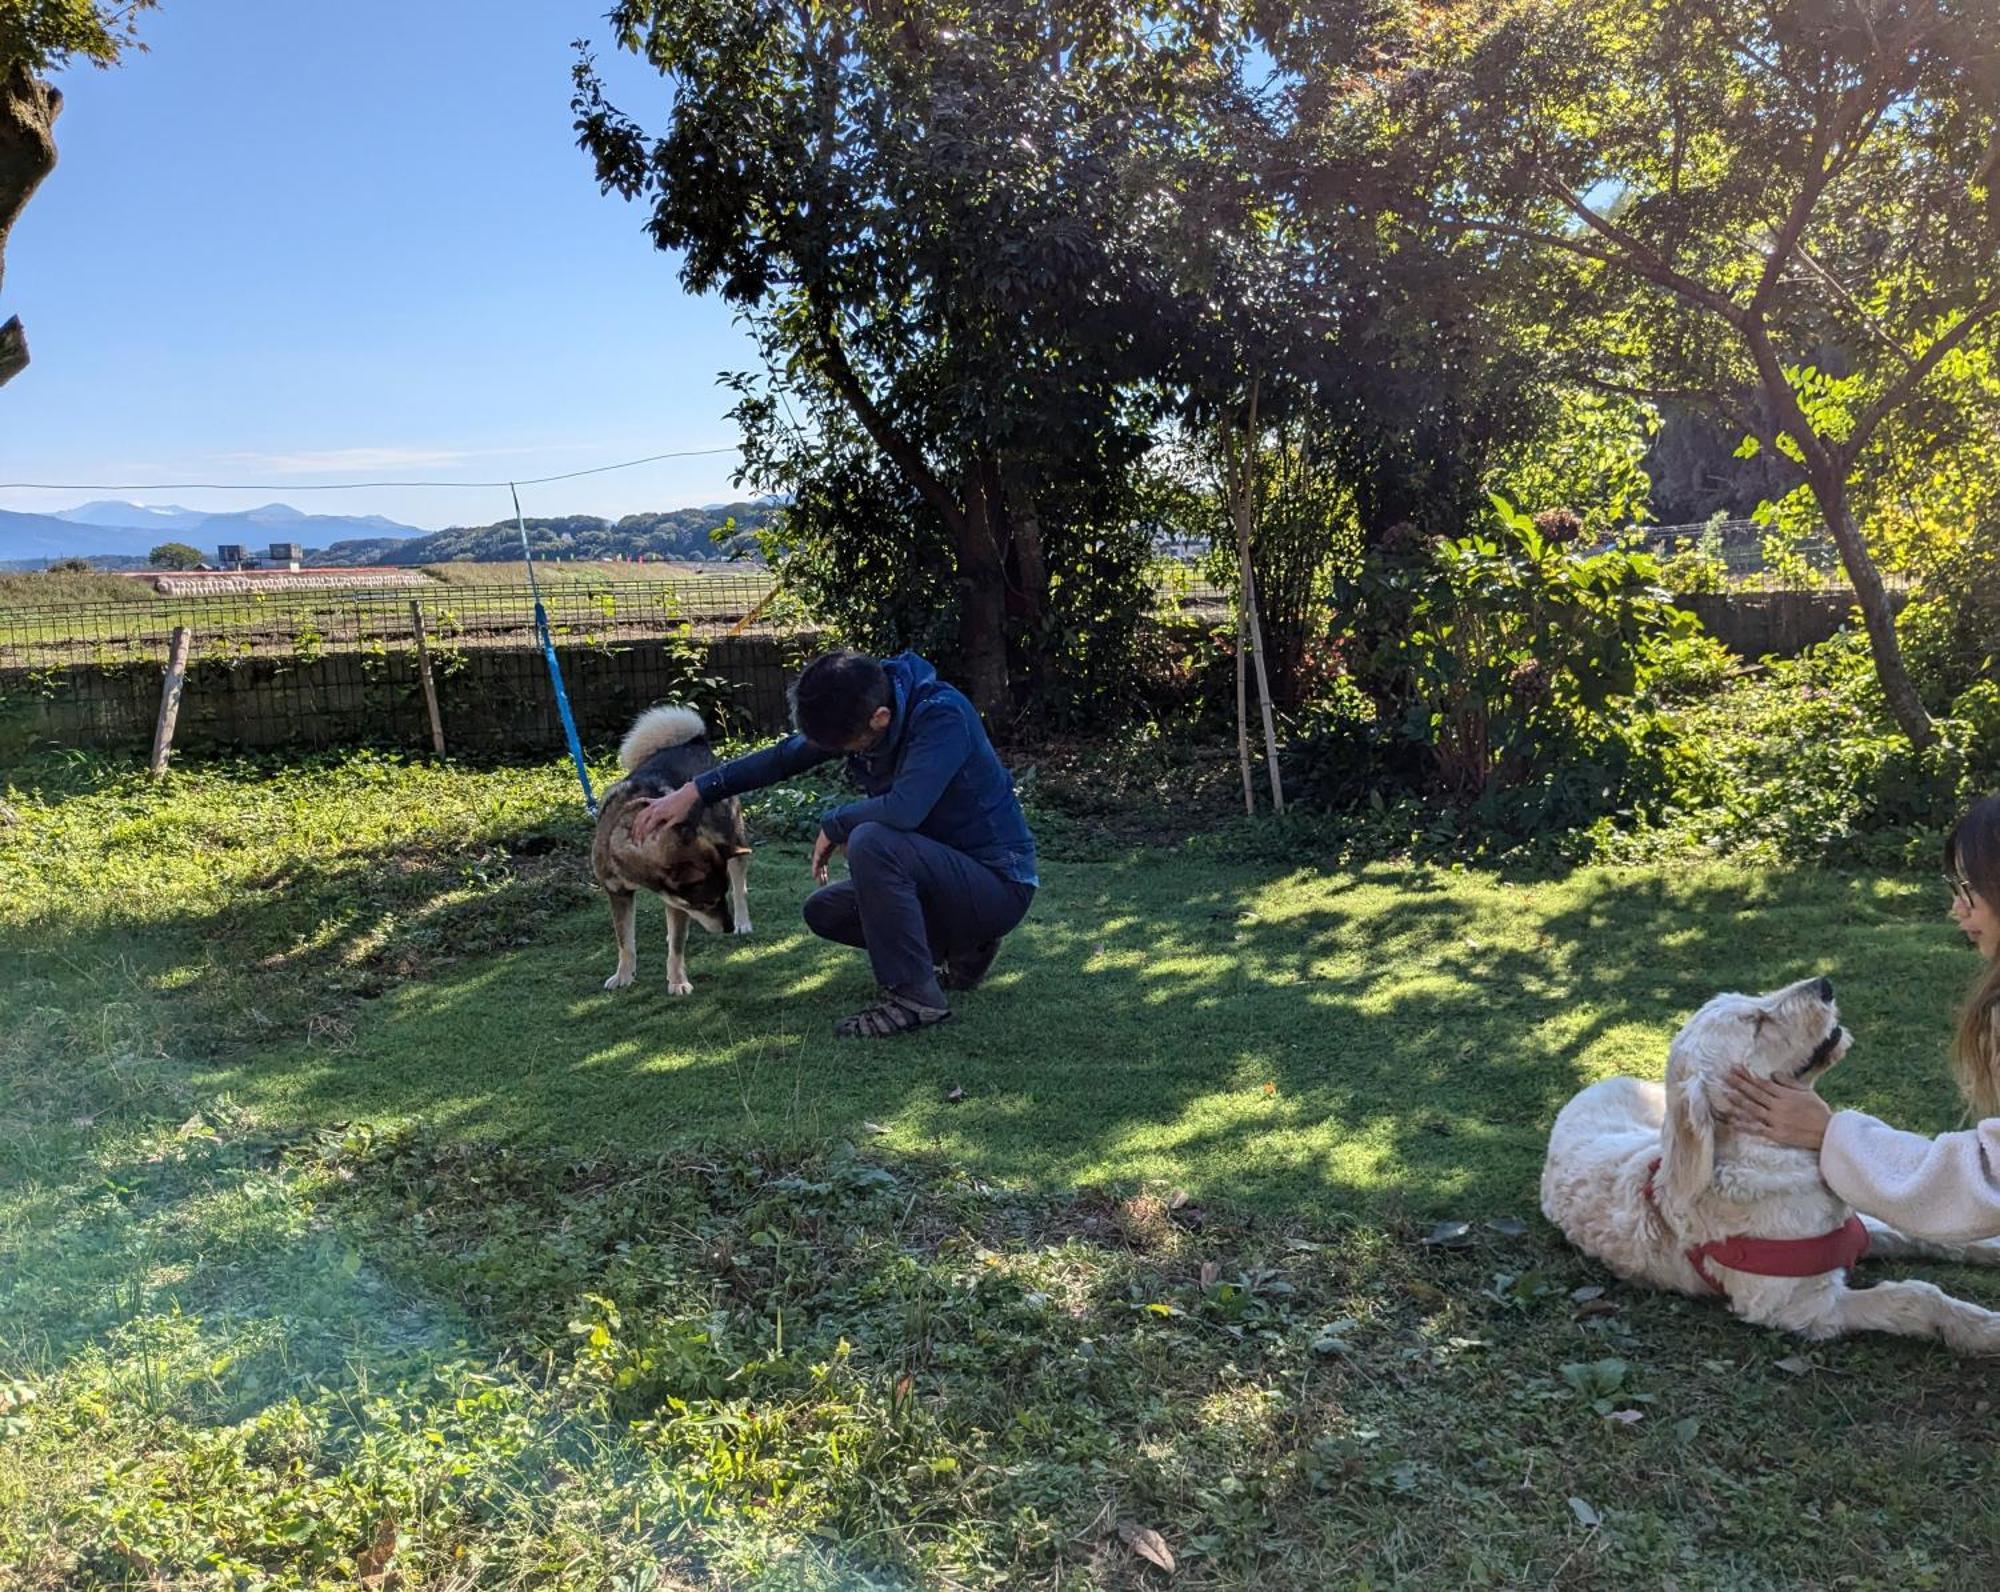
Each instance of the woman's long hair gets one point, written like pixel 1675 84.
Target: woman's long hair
pixel 1973 850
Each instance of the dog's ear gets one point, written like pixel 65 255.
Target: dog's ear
pixel 1688 1155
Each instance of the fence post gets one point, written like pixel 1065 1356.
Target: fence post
pixel 424 673
pixel 170 700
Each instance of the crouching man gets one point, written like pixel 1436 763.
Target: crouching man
pixel 941 866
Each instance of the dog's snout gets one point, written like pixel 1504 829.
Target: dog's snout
pixel 1825 989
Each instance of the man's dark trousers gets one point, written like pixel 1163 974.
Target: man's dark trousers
pixel 911 903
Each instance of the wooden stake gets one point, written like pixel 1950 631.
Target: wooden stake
pixel 170 700
pixel 424 674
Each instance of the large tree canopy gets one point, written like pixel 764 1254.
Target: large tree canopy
pixel 1785 211
pixel 935 217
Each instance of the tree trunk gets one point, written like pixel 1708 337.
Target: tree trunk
pixel 982 603
pixel 28 109
pixel 1905 706
pixel 1029 574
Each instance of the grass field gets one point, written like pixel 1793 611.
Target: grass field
pixel 347 1227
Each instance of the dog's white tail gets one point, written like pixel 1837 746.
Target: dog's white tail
pixel 655 730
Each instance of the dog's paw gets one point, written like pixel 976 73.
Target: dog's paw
pixel 743 928
pixel 682 987
pixel 620 979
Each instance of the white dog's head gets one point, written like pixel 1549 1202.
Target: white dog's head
pixel 1793 1034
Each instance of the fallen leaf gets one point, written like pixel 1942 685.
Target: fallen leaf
pixel 1627 1417
pixel 873 1127
pixel 1177 1199
pixel 957 1094
pixel 1590 1309
pixel 1147 1543
pixel 1449 1235
pixel 1508 1226
pixel 1585 1515
pixel 901 1391
pixel 371 1565
pixel 1585 1295
pixel 1793 1365
pixel 1210 1272
pixel 1270 1088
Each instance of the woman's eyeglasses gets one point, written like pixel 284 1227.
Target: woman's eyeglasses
pixel 1961 887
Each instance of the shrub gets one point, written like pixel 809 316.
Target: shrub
pixel 1507 677
pixel 1688 667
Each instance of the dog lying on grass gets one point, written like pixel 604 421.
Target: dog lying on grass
pixel 1643 1178
pixel 700 867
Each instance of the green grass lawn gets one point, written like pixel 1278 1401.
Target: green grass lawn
pixel 345 1222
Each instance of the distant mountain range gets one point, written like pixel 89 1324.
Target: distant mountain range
pixel 120 535
pixel 111 530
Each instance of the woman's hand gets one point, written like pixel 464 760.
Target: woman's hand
pixel 823 850
pixel 1784 1113
pixel 676 807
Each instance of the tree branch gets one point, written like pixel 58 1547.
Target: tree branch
pixel 904 453
pixel 1640 257
pixel 1922 366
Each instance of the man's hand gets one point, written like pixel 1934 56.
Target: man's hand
pixel 823 850
pixel 1784 1113
pixel 676 807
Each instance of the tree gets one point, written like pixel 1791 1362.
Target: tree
pixel 1787 214
pixel 36 36
pixel 174 555
pixel 933 217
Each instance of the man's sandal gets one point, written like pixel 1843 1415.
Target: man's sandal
pixel 892 1016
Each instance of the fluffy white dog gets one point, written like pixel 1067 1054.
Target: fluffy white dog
pixel 1644 1179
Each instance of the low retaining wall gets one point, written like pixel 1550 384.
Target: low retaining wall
pixel 497 701
pixel 491 700
pixel 1781 624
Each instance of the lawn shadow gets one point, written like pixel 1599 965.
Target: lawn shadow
pixel 1389 1040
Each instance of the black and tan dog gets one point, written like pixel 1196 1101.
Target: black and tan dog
pixel 699 867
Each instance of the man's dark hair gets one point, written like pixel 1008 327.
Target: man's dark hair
pixel 836 695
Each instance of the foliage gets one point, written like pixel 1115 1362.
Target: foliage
pixel 1631 146
pixel 1511 675
pixel 1696 568
pixel 924 216
pixel 1587 456
pixel 683 535
pixel 174 555
pixel 44 35
pixel 1690 665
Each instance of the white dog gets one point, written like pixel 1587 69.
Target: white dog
pixel 1644 1179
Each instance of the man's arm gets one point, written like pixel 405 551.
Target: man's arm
pixel 939 746
pixel 793 755
pixel 755 770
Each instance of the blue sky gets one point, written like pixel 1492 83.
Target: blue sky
pixel 298 243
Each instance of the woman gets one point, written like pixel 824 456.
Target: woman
pixel 1945 1189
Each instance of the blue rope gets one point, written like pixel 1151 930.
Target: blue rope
pixel 555 670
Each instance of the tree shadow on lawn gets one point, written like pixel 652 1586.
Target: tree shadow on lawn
pixel 1392 1041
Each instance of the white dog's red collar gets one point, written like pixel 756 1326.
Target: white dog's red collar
pixel 1774 1257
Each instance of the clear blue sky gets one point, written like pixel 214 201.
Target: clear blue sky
pixel 303 242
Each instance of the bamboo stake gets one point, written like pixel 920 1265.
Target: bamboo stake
pixel 1242 636
pixel 1244 514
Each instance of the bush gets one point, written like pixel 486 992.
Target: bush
pixel 1507 678
pixel 1687 668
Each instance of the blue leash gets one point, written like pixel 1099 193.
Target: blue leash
pixel 555 669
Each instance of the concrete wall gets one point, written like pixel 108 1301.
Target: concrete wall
pixel 1779 624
